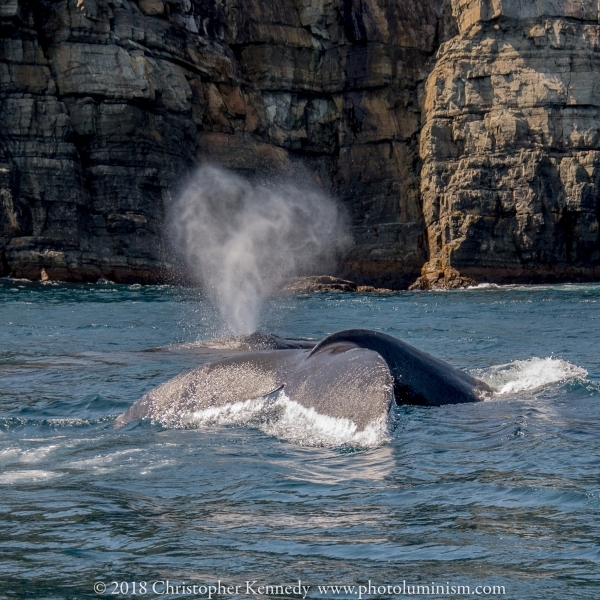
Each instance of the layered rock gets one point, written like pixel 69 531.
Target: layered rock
pixel 511 143
pixel 106 105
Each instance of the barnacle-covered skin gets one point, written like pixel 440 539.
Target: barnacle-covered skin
pixel 355 385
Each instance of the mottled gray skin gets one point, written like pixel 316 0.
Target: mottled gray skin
pixel 354 375
pixel 419 378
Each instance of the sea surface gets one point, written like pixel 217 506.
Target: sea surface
pixel 502 493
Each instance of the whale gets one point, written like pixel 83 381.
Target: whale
pixel 355 374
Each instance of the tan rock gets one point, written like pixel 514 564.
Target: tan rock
pixel 510 111
pixel 152 7
pixel 436 275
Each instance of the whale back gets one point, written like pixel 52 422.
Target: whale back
pixel 353 376
pixel 419 378
pixel 354 386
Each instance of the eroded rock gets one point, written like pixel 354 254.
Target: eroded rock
pixel 492 167
pixel 510 144
pixel 436 275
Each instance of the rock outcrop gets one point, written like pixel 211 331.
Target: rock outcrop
pixel 105 105
pixel 327 283
pixel 511 143
pixel 436 275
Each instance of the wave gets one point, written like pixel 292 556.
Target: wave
pixel 27 476
pixel 13 423
pixel 535 287
pixel 529 375
pixel 16 279
pixel 36 281
pixel 290 421
pixel 486 286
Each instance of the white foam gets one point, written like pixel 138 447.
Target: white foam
pixel 29 475
pixel 230 343
pixel 292 422
pixel 527 375
pixel 25 456
pixel 484 286
pixel 15 279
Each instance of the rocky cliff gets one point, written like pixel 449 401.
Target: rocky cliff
pixel 105 105
pixel 489 169
pixel 511 143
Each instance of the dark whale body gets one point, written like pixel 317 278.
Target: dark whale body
pixel 355 375
pixel 419 378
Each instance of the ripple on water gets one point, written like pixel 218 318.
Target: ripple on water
pixel 504 491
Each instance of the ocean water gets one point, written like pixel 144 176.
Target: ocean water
pixel 503 493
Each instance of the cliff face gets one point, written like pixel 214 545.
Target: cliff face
pixel 511 143
pixel 491 168
pixel 105 105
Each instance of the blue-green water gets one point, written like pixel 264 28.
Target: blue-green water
pixel 505 492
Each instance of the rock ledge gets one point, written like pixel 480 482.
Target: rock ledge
pixel 327 283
